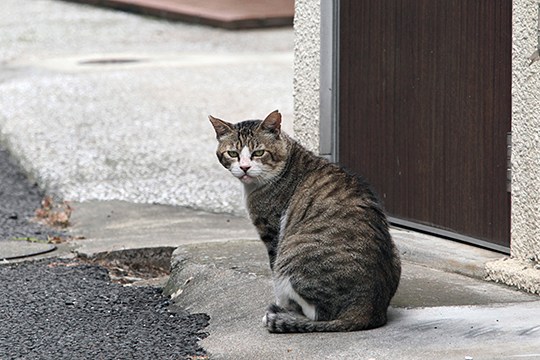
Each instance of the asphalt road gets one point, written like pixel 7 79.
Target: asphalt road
pixel 65 309
pixel 19 198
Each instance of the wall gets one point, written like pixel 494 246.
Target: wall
pixel 526 132
pixel 522 269
pixel 306 83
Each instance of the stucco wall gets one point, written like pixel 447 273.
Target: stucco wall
pixel 306 81
pixel 525 133
pixel 523 269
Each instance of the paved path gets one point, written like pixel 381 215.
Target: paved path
pixel 102 105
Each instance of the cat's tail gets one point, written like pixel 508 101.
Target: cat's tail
pixel 279 320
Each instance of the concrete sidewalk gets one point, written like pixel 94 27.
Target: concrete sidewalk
pixel 109 110
pixel 434 315
pixel 98 104
pixel 221 268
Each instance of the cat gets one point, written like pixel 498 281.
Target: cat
pixel 333 261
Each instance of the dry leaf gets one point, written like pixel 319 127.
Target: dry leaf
pixel 54 214
pixel 55 240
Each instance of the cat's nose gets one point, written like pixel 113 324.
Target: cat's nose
pixel 245 168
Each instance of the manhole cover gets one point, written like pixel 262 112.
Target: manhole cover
pixel 15 249
pixel 109 61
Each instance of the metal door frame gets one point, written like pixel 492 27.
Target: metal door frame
pixel 329 81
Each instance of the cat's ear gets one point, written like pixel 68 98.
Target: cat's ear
pixel 272 123
pixel 221 127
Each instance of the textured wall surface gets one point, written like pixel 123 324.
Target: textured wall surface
pixel 523 269
pixel 525 133
pixel 306 82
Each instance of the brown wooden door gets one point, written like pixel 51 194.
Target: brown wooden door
pixel 424 109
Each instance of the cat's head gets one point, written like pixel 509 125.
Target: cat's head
pixel 254 151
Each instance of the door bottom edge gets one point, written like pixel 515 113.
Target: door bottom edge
pixel 411 225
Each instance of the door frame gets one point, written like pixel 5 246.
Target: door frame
pixel 329 81
pixel 329 116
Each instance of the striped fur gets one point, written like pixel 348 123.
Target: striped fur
pixel 334 263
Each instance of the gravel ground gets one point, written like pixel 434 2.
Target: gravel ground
pixel 66 310
pixel 56 309
pixel 19 198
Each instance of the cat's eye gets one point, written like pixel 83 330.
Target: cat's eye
pixel 232 153
pixel 258 153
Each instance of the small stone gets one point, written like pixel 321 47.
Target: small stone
pixel 13 216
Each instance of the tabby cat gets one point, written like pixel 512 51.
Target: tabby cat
pixel 334 264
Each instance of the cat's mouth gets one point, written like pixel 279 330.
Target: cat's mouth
pixel 246 179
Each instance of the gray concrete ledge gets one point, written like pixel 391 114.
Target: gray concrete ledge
pixel 435 314
pixel 111 226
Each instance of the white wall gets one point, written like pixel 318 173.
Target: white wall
pixel 525 224
pixel 306 81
